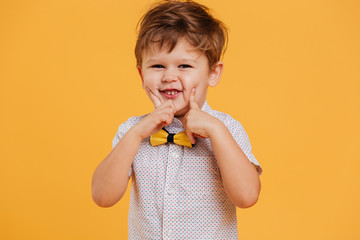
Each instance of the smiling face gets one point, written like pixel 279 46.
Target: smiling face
pixel 172 76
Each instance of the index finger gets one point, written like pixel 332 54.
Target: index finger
pixel 155 99
pixel 193 103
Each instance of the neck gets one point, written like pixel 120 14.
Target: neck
pixel 180 118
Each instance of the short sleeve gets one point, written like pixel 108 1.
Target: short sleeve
pixel 240 136
pixel 122 129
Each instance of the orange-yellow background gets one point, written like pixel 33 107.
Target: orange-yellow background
pixel 68 79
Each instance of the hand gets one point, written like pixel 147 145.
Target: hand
pixel 197 122
pixel 162 116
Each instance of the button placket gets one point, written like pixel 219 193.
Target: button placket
pixel 171 170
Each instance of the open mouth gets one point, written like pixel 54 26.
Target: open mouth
pixel 170 93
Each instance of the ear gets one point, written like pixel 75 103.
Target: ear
pixel 215 74
pixel 140 73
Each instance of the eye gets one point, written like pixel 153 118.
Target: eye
pixel 185 66
pixel 157 66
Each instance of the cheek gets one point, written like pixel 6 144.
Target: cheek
pixel 199 84
pixel 152 80
pixel 189 82
pixel 148 82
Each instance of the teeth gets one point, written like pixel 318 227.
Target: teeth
pixel 171 92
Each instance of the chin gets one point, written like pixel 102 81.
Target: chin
pixel 181 113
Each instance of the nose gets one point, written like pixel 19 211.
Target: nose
pixel 170 75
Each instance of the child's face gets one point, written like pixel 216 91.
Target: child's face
pixel 172 76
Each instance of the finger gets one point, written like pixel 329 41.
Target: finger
pixel 173 107
pixel 155 99
pixel 193 103
pixel 167 113
pixel 198 136
pixel 169 120
pixel 190 136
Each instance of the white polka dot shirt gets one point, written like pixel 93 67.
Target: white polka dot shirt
pixel 176 191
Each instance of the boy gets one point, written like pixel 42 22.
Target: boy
pixel 185 186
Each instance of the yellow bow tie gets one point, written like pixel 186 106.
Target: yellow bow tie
pixel 163 137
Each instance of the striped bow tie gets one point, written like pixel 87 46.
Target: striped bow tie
pixel 164 136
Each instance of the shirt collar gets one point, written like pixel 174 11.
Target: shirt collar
pixel 206 107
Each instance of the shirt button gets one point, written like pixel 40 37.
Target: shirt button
pixel 170 192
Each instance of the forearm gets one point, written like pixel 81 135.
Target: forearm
pixel 111 178
pixel 240 178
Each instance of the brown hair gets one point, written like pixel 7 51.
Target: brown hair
pixel 168 21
